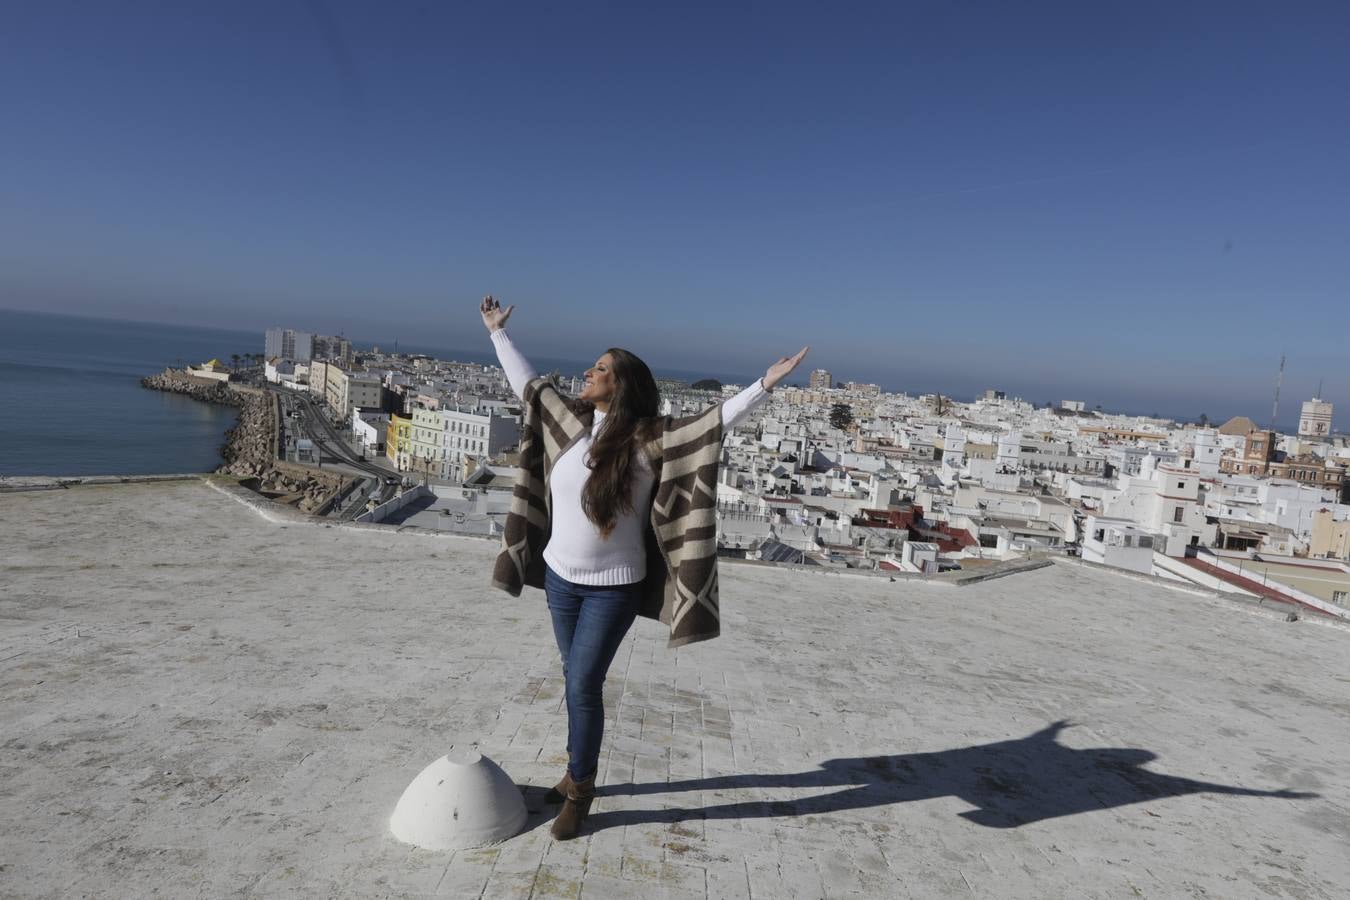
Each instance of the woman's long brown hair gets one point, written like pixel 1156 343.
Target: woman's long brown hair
pixel 631 418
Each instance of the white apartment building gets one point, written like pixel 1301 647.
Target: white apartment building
pixel 1041 455
pixel 1129 459
pixel 287 343
pixel 1119 543
pixel 1205 452
pixel 277 371
pixel 345 391
pixel 469 437
pixel 364 391
pixel 1164 500
pixel 1285 504
pixel 1235 497
pixel 333 347
pixel 914 556
pixel 424 444
pixel 1009 451
pixel 1091 493
pixel 318 379
pixel 1294 506
pixel 489 406
pixel 369 428
pixel 1005 505
pixel 953 446
pixel 885 488
pixel 990 474
pixel 739 529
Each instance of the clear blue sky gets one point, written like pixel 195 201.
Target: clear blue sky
pixel 1135 204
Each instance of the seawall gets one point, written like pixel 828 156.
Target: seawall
pixel 250 448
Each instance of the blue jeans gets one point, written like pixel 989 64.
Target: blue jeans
pixel 589 622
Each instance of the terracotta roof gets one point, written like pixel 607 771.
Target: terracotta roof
pixel 1237 425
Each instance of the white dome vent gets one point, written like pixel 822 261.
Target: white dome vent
pixel 461 800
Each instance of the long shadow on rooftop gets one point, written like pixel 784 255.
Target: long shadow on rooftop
pixel 1012 783
pixel 421 504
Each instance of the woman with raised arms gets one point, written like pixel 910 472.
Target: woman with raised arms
pixel 613 515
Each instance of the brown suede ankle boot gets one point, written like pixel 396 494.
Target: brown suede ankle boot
pixel 558 793
pixel 575 809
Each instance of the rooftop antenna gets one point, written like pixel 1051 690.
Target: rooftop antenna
pixel 1279 379
pixel 1319 388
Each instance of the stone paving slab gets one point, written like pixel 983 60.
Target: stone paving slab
pixel 198 702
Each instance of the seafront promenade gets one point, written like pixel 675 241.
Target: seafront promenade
pixel 251 448
pixel 205 701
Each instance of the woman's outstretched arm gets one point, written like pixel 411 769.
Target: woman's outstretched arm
pixel 735 410
pixel 518 369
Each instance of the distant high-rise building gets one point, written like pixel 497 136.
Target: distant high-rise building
pixel 1315 420
pixel 335 348
pixel 272 343
pixel 287 343
pixel 820 379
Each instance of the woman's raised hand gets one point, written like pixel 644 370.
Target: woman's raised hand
pixel 783 368
pixel 494 317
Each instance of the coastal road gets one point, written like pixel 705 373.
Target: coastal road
pixel 328 441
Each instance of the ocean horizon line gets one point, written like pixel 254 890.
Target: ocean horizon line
pixel 570 366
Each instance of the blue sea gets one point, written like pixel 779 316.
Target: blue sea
pixel 72 404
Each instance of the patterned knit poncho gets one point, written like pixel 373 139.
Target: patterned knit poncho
pixel 682 532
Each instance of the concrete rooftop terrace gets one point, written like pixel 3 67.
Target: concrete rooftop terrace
pixel 202 701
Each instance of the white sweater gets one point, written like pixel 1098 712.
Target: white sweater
pixel 576 550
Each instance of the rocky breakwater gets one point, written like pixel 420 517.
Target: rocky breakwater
pixel 250 446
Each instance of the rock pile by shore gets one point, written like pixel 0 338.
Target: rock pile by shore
pixel 177 382
pixel 249 446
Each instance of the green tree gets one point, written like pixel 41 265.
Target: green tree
pixel 841 416
pixel 707 384
pixel 1204 420
pixel 234 360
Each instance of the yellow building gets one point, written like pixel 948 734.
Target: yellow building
pixel 981 451
pixel 425 452
pixel 1330 539
pixel 799 397
pixel 398 441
